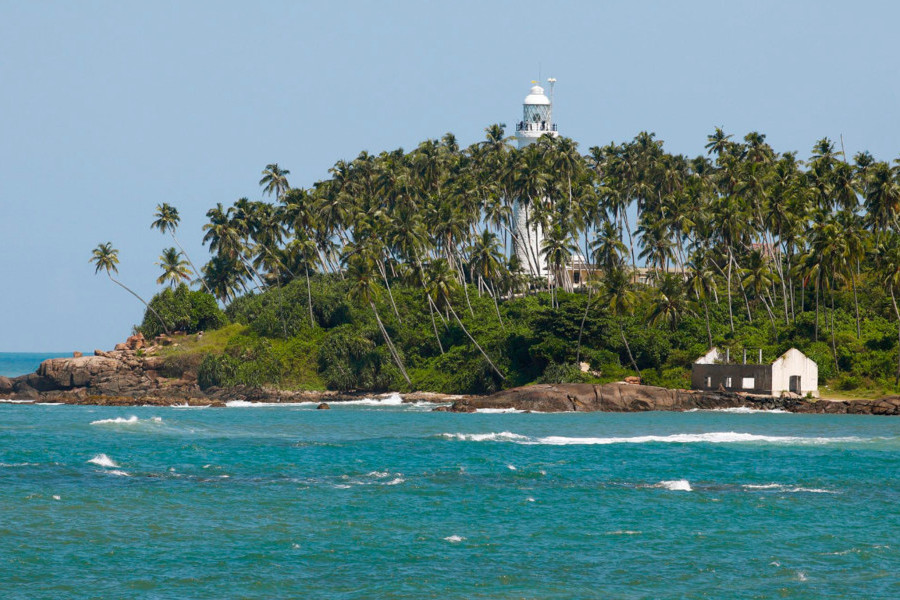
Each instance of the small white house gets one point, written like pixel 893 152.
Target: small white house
pixel 792 372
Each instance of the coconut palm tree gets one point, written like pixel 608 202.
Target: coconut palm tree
pixel 175 270
pixel 274 180
pixel 888 269
pixel 440 284
pixel 106 258
pixel 620 300
pixel 364 291
pixel 167 220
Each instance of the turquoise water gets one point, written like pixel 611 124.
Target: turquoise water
pixel 387 501
pixel 13 364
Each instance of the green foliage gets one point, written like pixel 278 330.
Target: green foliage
pixel 350 360
pixel 537 342
pixel 564 373
pixel 182 310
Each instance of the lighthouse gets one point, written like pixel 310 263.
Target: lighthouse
pixel 537 120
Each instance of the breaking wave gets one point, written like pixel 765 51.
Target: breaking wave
pixel 676 485
pixel 715 437
pixel 132 420
pixel 103 460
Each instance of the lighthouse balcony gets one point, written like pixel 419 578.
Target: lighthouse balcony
pixel 539 126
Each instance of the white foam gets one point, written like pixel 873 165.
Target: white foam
pixel 454 539
pixel 676 485
pixel 529 499
pixel 55 497
pixel 119 473
pixel 742 410
pixel 503 436
pixel 715 437
pixel 791 489
pixel 498 410
pixel 511 467
pixel 623 532
pixel 395 481
pixel 378 474
pixel 117 421
pixel 103 461
pixel 11 401
pixel 393 399
pixel 248 404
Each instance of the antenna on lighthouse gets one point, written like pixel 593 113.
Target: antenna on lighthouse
pixel 551 81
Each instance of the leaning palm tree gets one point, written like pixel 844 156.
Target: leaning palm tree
pixel 175 270
pixel 620 301
pixel 167 220
pixel 364 289
pixel 441 281
pixel 106 257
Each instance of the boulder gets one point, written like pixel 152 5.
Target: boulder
pixel 323 406
pixel 136 342
pixel 77 354
pixel 6 385
pixel 633 380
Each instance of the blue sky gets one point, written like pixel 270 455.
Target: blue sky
pixel 109 108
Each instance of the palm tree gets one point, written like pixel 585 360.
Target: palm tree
pixel 274 180
pixel 620 301
pixel 440 283
pixel 364 290
pixel 175 270
pixel 167 219
pixel 888 261
pixel 106 257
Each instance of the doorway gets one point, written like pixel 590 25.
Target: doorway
pixel 794 384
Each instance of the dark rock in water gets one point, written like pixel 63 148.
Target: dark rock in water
pixel 6 385
pixel 323 406
pixel 623 397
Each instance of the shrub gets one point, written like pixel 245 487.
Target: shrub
pixel 564 373
pixel 182 310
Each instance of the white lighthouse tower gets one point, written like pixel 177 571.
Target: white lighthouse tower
pixel 537 120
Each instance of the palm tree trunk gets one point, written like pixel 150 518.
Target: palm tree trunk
pixel 480 349
pixel 581 327
pixel 390 343
pixel 896 312
pixel 730 311
pixel 150 308
pixel 628 349
pixel 312 320
pixel 855 305
pixel 190 262
pixel 833 345
pixel 434 326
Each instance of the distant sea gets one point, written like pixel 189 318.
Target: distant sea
pixel 13 364
pixel 377 499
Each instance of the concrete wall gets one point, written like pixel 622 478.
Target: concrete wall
pixel 718 374
pixel 794 362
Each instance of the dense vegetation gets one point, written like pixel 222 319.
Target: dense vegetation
pixel 393 272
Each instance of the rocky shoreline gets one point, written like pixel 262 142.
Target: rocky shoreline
pixel 135 374
pixel 626 397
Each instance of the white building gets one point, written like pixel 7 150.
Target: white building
pixel 537 120
pixel 792 372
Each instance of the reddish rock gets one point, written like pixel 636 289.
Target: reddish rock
pixel 633 380
pixel 6 385
pixel 136 342
pixel 323 406
pixel 77 354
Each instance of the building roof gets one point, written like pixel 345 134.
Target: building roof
pixel 536 96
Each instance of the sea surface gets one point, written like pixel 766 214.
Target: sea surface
pixel 13 364
pixel 381 500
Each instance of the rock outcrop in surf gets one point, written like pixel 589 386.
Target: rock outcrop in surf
pixel 624 397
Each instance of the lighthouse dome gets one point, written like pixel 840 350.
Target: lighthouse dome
pixel 536 96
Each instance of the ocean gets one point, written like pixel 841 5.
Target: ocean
pixel 381 500
pixel 13 364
